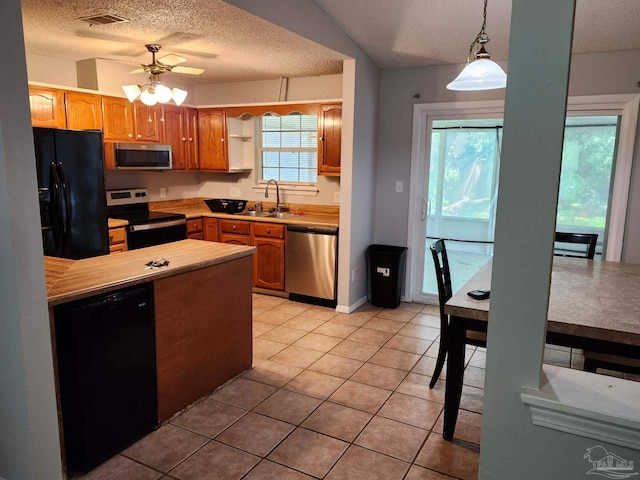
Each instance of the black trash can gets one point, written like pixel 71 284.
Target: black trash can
pixel 385 267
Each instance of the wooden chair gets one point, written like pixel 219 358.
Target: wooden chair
pixel 588 239
pixel 443 277
pixel 593 360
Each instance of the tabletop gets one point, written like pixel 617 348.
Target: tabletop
pixel 588 298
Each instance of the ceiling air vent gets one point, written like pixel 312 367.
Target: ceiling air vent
pixel 105 19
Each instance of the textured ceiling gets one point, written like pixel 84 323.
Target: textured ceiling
pixel 232 45
pixel 410 33
pixel 227 42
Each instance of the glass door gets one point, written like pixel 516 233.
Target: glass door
pixel 463 171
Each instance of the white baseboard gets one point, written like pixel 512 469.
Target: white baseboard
pixel 352 307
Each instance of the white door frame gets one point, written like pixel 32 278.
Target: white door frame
pixel 625 105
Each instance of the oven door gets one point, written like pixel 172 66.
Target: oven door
pixel 148 234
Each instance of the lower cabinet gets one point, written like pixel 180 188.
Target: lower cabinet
pixel 210 229
pixel 117 239
pixel 194 229
pixel 268 264
pixel 269 240
pixel 236 232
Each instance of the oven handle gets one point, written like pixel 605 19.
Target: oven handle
pixel 155 226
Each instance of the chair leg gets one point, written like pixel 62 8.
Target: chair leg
pixel 442 355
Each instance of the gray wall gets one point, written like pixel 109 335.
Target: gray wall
pixel 591 74
pixel 360 107
pixel 29 442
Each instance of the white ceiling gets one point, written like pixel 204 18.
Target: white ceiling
pixel 232 45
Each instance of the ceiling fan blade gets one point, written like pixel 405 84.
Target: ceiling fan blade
pixel 137 70
pixel 188 70
pixel 172 59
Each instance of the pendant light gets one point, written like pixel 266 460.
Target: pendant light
pixel 480 73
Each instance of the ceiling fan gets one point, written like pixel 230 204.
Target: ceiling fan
pixel 168 63
pixel 154 91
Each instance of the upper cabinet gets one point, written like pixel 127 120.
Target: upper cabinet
pixel 180 130
pixel 47 107
pixel 117 117
pixel 147 122
pixel 212 141
pixel 329 139
pixel 83 111
pixel 130 122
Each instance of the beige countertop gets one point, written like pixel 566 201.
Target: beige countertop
pixel 69 280
pixel 117 222
pixel 194 211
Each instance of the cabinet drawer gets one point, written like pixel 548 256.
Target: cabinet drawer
pixel 117 235
pixel 194 225
pixel 269 230
pixel 235 226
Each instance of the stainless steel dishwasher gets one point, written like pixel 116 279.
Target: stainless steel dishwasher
pixel 310 266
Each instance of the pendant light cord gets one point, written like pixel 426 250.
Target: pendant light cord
pixel 482 36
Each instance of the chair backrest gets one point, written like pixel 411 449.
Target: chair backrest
pixel 588 239
pixel 443 274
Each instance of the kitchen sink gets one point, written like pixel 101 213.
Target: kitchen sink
pixel 253 213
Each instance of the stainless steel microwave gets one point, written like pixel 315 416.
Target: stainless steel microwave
pixel 146 156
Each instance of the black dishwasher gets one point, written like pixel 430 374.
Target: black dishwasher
pixel 107 372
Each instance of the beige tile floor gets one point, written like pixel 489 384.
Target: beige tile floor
pixel 331 396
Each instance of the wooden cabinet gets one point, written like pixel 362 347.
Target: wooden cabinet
pixel 212 140
pixel 211 229
pixel 180 130
pixel 237 232
pixel 83 111
pixel 47 107
pixel 268 264
pixel 117 239
pixel 146 122
pixel 130 122
pixel 118 119
pixel 329 139
pixel 194 229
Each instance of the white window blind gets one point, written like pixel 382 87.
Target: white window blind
pixel 289 148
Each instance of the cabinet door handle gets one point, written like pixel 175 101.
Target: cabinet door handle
pixel 130 135
pixel 139 135
pixel 234 228
pixel 184 139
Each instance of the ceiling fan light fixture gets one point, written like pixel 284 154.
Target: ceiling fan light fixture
pixel 148 97
pixel 178 95
pixel 131 91
pixel 162 93
pixel 481 73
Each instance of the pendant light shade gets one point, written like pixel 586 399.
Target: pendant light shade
pixel 480 72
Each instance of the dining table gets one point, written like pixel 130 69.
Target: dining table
pixel 593 305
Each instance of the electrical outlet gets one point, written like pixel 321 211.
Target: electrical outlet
pixel 353 275
pixel 399 186
pixel 336 197
pixel 163 192
pixel 234 192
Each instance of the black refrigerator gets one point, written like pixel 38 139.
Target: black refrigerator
pixel 73 204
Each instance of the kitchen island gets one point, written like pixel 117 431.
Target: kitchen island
pixel 202 304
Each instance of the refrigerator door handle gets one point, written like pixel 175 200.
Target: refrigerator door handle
pixel 56 207
pixel 66 207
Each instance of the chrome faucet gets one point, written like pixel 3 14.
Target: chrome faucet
pixel 279 206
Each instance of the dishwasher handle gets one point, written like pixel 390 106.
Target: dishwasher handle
pixel 313 229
